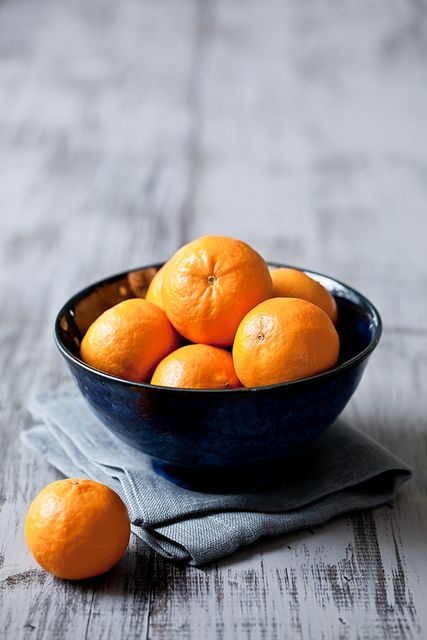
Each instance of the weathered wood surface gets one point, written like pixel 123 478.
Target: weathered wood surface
pixel 129 127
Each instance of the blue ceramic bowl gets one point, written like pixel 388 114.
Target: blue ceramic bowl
pixel 217 438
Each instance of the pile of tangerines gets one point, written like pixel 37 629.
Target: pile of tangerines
pixel 242 323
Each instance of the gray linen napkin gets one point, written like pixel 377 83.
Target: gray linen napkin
pixel 342 471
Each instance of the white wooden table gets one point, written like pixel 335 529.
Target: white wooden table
pixel 127 128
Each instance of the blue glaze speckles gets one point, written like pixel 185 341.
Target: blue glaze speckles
pixel 198 437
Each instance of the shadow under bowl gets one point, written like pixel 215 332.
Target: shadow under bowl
pixel 222 440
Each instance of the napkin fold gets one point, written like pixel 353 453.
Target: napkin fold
pixel 341 472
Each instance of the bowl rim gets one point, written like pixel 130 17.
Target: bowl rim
pixel 347 364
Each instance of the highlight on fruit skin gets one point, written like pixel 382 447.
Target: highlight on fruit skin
pixel 210 284
pixel 77 528
pixel 129 339
pixel 154 291
pixel 293 283
pixel 284 339
pixel 197 366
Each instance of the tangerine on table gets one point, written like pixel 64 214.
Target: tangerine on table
pixel 197 366
pixel 77 528
pixel 284 339
pixel 210 284
pixel 292 283
pixel 129 339
pixel 154 291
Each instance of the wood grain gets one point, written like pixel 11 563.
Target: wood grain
pixel 128 128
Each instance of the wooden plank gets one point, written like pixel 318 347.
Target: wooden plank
pixel 94 128
pixel 128 128
pixel 313 151
pixel 313 141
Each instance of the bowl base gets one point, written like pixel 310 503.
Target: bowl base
pixel 218 480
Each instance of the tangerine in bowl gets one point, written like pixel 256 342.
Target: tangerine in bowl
pixel 216 439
